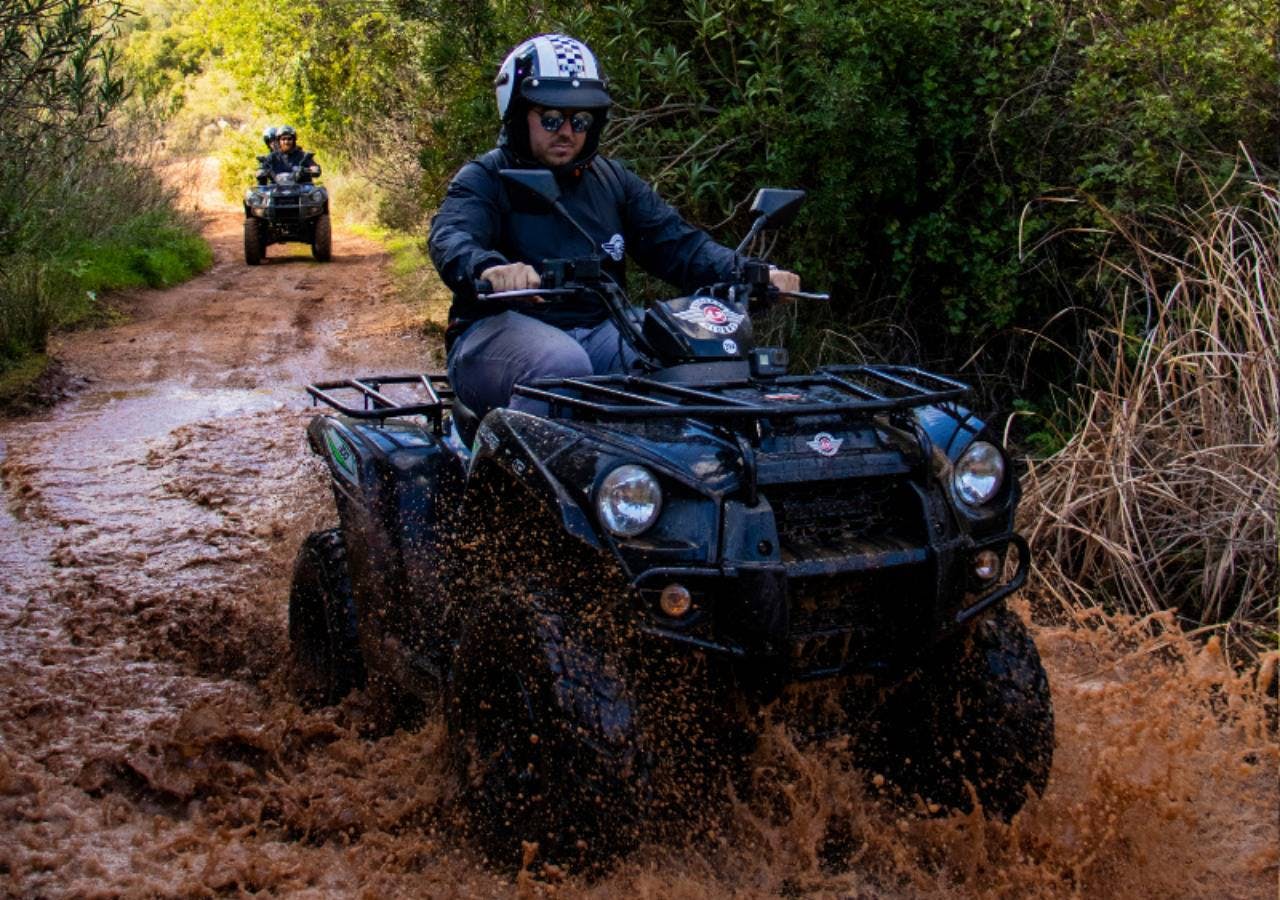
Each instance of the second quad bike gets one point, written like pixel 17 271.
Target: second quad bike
pixel 289 208
pixel 601 600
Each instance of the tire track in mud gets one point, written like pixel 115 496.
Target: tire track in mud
pixel 148 746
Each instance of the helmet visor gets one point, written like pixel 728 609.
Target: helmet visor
pixel 566 93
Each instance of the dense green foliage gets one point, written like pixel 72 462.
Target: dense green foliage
pixel 57 87
pixel 82 210
pixel 931 136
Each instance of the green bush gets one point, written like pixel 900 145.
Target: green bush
pixel 29 300
pixel 237 155
pixel 58 290
pixel 83 210
pixel 151 250
pixel 924 131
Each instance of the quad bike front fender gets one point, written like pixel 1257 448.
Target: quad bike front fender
pixel 512 455
pixel 950 431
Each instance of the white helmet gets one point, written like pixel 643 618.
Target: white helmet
pixel 551 70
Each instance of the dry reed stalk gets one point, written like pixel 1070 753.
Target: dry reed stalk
pixel 1169 493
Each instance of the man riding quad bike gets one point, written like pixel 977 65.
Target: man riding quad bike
pixel 286 205
pixel 602 599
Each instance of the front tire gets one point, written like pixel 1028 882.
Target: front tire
pixel 544 735
pixel 322 622
pixel 255 246
pixel 322 240
pixel 978 715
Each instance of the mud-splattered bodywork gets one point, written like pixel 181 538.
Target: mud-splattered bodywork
pixel 812 545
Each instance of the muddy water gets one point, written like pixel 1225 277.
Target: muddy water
pixel 148 745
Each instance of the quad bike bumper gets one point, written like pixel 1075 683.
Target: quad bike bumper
pixel 288 213
pixel 804 620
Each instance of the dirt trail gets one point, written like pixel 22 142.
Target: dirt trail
pixel 148 747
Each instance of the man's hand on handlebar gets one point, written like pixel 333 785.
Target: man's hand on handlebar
pixel 786 282
pixel 785 287
pixel 512 277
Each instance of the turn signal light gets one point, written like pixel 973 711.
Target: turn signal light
pixel 986 565
pixel 676 601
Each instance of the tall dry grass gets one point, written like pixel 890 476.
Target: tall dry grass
pixel 1168 495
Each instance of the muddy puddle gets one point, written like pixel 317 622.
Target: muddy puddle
pixel 149 746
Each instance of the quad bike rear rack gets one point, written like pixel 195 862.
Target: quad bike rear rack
pixel 429 394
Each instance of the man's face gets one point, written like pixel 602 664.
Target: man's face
pixel 554 148
pixel 286 142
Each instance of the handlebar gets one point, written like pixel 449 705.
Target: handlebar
pixel 484 291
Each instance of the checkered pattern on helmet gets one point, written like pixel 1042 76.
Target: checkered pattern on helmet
pixel 570 55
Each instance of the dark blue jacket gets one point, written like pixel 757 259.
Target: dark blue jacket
pixel 279 162
pixel 480 224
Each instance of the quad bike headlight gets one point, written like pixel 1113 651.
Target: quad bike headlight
pixel 629 500
pixel 978 474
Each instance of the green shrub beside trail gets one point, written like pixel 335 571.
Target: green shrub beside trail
pixel 40 293
pixel 83 209
pixel 152 250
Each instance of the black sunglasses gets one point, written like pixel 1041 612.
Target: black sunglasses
pixel 553 119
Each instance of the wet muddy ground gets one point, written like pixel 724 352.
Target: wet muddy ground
pixel 149 746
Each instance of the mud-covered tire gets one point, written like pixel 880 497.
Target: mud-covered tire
pixel 255 246
pixel 322 240
pixel 544 737
pixel 322 622
pixel 978 716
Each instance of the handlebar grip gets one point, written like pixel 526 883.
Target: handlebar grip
pixel 483 286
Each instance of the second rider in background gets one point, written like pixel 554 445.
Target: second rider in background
pixel 289 158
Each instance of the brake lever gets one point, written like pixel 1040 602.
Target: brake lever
pixel 522 293
pixel 803 295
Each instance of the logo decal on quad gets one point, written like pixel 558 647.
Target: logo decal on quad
pixel 824 444
pixel 712 315
pixel 614 247
pixel 343 457
pixel 730 345
pixel 488 438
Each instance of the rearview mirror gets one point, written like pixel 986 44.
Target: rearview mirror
pixel 778 206
pixel 773 207
pixel 539 182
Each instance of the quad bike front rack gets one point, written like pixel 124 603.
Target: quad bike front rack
pixel 857 390
pixel 847 390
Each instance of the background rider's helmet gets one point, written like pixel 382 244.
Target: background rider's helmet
pixel 269 136
pixel 551 70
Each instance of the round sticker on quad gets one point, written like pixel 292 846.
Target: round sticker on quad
pixel 825 444
pixel 712 315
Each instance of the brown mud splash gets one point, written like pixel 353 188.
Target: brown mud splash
pixel 148 746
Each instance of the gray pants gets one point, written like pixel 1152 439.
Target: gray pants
pixel 500 351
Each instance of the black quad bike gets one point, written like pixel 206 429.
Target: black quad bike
pixel 289 208
pixel 602 600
